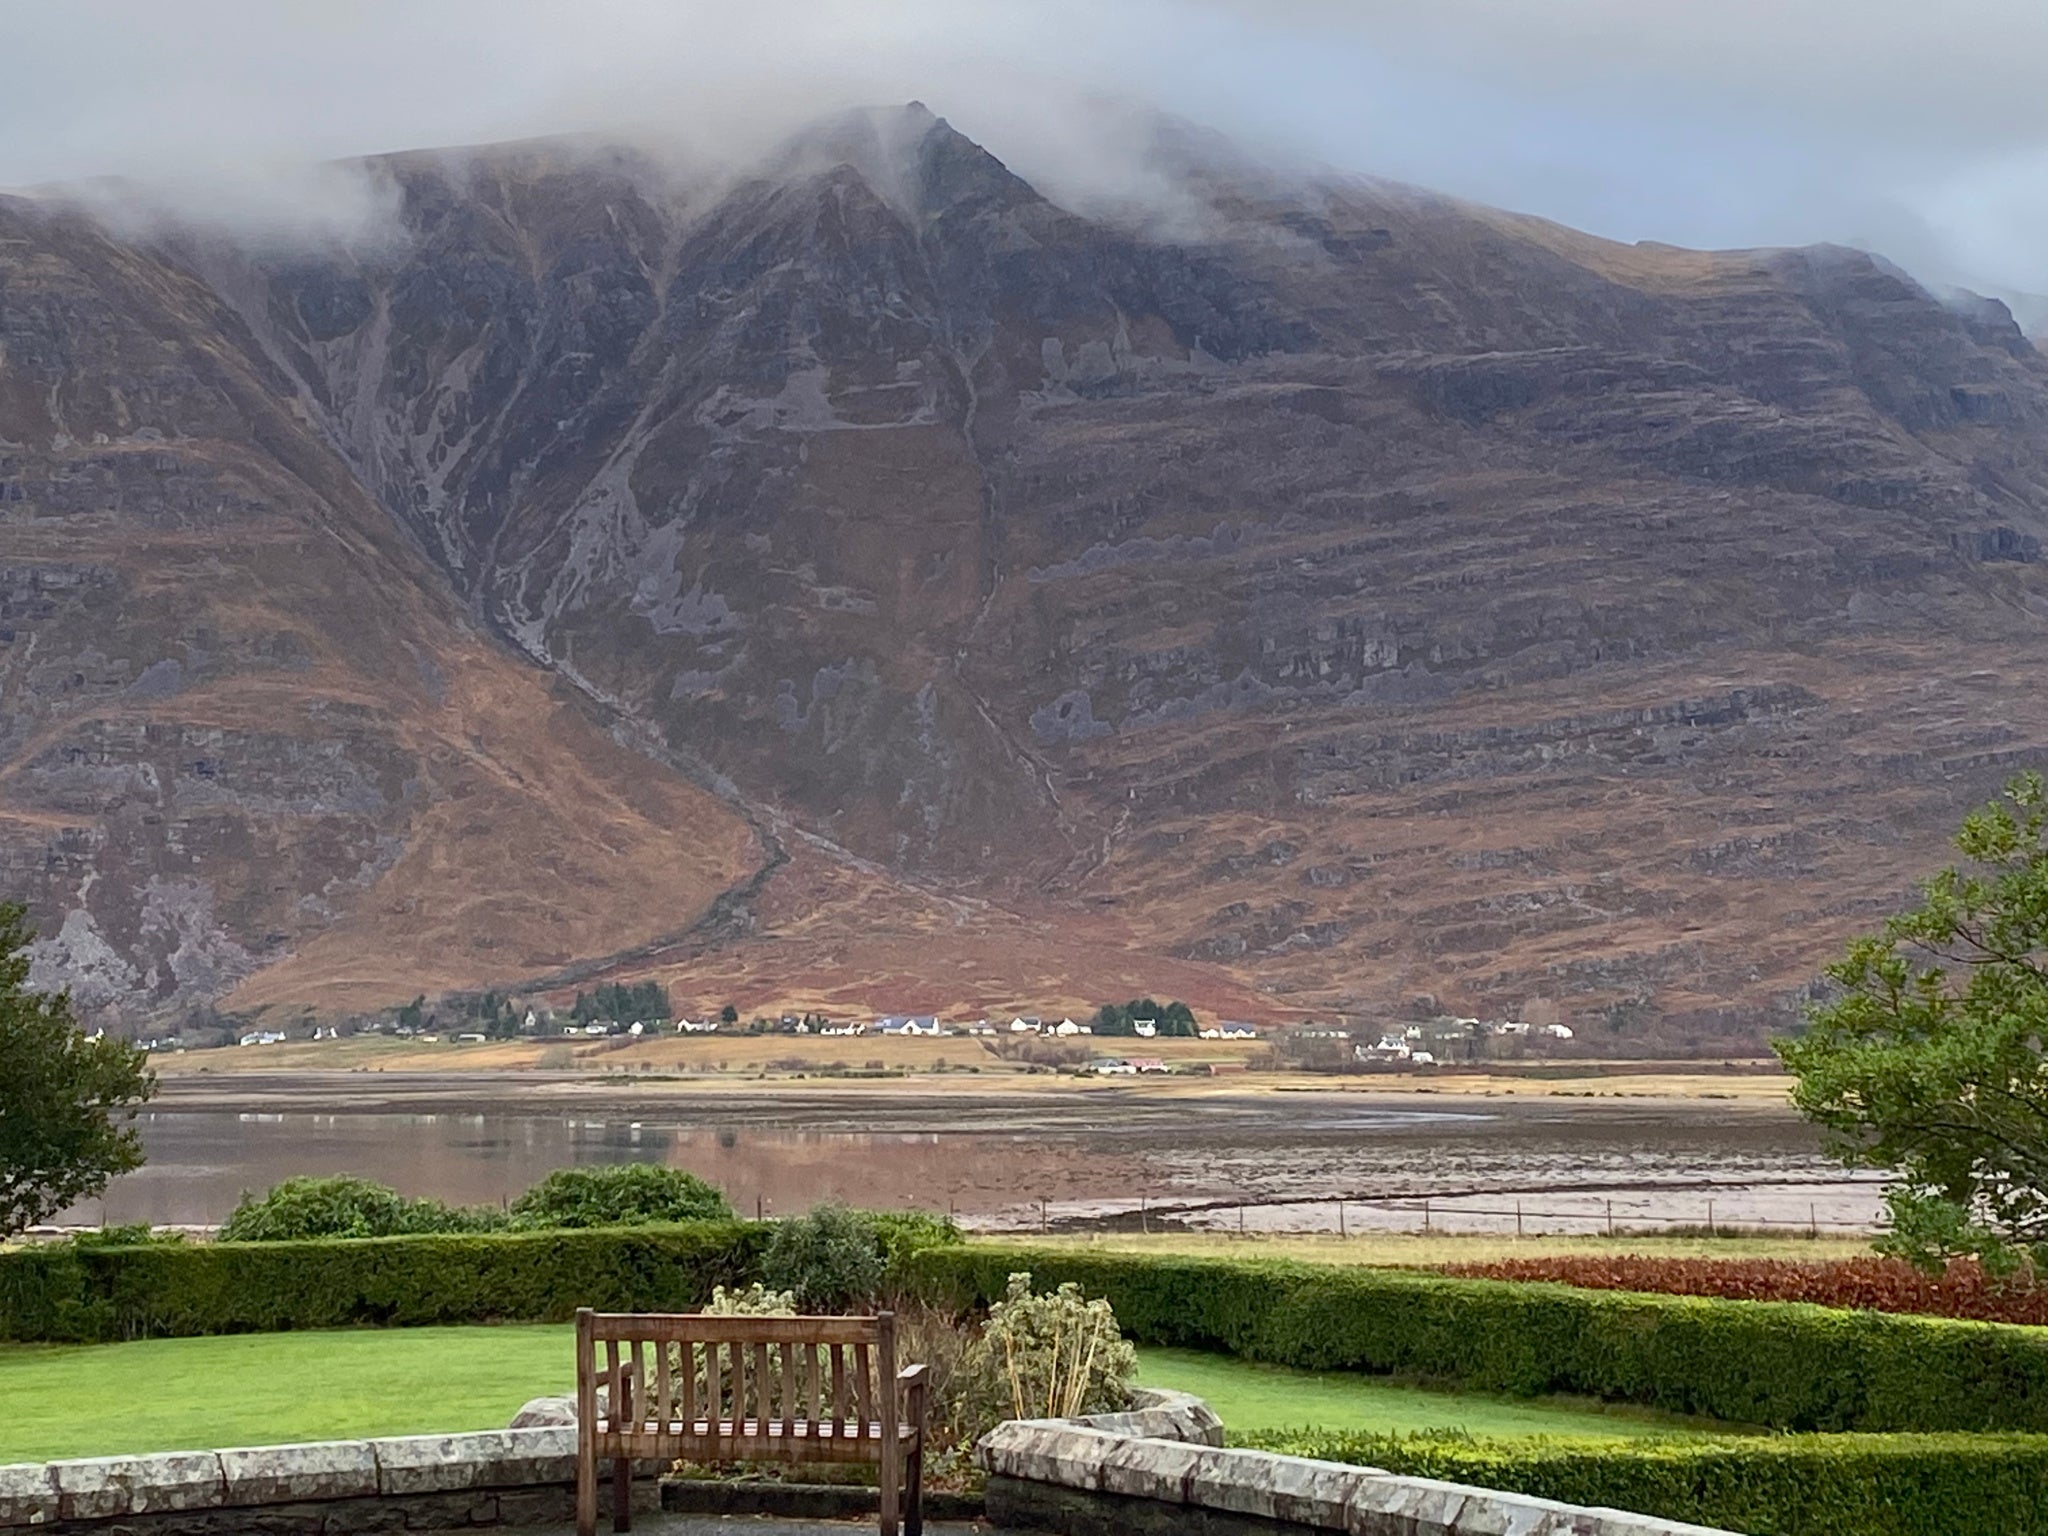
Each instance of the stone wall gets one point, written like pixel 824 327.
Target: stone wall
pixel 1161 1471
pixel 334 1488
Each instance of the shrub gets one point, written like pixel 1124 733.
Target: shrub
pixel 63 1292
pixel 1047 1356
pixel 1876 1285
pixel 343 1206
pixel 1767 1485
pixel 617 1195
pixel 830 1258
pixel 902 1233
pixel 1778 1364
pixel 834 1258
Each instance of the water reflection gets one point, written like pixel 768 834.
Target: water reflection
pixel 1654 1165
pixel 200 1162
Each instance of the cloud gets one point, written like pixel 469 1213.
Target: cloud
pixel 1713 122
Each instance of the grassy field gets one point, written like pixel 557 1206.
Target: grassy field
pixel 959 1062
pixel 1399 1249
pixel 260 1389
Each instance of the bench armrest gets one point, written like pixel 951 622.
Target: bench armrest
pixel 912 1376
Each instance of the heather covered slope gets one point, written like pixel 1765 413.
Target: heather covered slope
pixel 1307 587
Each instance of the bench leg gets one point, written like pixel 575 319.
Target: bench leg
pixel 586 1485
pixel 622 1494
pixel 913 1490
pixel 892 1472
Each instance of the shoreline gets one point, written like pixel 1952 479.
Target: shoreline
pixel 971 1103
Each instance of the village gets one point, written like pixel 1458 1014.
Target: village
pixel 1056 1042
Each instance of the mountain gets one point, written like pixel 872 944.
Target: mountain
pixel 863 581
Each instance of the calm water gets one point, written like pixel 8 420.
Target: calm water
pixel 1278 1167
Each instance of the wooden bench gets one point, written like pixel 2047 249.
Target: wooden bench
pixel 683 1386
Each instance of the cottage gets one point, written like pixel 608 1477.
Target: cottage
pixel 909 1024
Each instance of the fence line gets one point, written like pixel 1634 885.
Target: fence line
pixel 1429 1215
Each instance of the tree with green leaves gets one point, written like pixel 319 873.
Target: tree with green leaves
pixel 1166 1019
pixel 66 1101
pixel 1931 1059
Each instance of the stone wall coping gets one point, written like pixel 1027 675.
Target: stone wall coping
pixel 1292 1490
pixel 111 1487
pixel 1159 1414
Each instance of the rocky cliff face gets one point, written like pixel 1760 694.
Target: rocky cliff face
pixel 1335 592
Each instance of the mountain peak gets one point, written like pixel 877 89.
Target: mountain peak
pixel 914 159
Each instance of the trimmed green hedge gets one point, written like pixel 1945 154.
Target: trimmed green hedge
pixel 1766 1485
pixel 73 1293
pixel 1784 1365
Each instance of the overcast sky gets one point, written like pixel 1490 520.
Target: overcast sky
pixel 1916 128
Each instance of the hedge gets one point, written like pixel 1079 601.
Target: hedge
pixel 1795 1485
pixel 83 1293
pixel 1783 1365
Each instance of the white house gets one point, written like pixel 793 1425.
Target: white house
pixel 1023 1026
pixel 1067 1028
pixel 1145 1028
pixel 911 1024
pixel 1558 1031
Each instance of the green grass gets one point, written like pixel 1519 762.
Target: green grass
pixel 1254 1398
pixel 270 1388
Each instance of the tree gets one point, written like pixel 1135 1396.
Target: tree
pixel 728 1014
pixel 1929 1061
pixel 1113 1019
pixel 66 1101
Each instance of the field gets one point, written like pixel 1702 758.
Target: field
pixel 963 1062
pixel 260 1389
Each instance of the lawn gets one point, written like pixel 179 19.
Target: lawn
pixel 268 1388
pixel 1260 1397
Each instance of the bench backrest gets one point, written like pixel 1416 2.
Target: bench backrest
pixel 678 1375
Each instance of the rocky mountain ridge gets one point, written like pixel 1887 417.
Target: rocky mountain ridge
pixel 865 582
